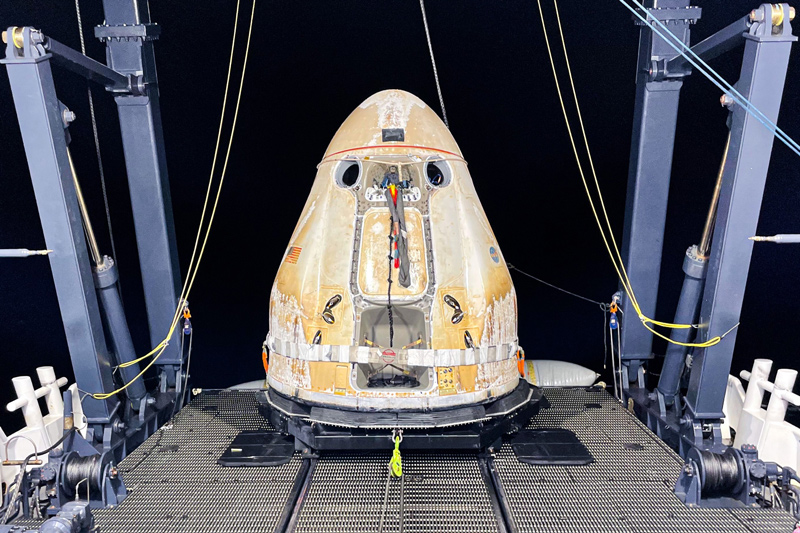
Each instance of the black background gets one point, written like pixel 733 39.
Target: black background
pixel 311 63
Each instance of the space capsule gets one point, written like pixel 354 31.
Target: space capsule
pixel 393 293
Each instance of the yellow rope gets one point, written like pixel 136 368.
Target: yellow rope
pixel 194 266
pixel 616 257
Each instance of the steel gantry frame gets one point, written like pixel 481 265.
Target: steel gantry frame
pixel 715 270
pixel 87 290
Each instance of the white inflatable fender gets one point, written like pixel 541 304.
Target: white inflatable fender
pixel 259 384
pixel 551 373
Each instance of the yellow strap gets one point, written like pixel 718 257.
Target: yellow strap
pixel 370 343
pixel 396 464
pixel 418 341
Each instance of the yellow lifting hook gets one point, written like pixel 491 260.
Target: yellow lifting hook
pixel 396 464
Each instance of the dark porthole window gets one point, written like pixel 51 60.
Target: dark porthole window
pixel 437 173
pixel 348 174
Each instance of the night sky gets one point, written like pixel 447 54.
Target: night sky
pixel 311 63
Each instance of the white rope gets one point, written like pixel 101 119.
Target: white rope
pixel 433 62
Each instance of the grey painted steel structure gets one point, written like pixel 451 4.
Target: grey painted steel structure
pixel 42 125
pixel 721 280
pixel 655 118
pixel 627 488
pixel 131 77
pixel 763 73
pixel 129 34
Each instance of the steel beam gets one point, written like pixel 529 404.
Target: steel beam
pixel 721 42
pixel 655 118
pixel 763 73
pixel 129 37
pixel 87 67
pixel 41 120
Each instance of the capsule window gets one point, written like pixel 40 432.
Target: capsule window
pixel 348 174
pixel 437 172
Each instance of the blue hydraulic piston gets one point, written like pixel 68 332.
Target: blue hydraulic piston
pixel 106 276
pixel 694 267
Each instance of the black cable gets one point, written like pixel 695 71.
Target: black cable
pixel 796 493
pixel 6 495
pixel 146 454
pixel 602 305
pixel 97 143
pixel 389 290
pixel 433 62
pixel 79 469
pixel 721 472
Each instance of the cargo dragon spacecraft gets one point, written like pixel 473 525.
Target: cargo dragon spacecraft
pixel 393 299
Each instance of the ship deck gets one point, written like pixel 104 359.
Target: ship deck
pixel 176 485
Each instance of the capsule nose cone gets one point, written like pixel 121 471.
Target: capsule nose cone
pixel 392 119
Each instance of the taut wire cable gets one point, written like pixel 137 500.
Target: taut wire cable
pixel 97 144
pixel 433 62
pixel 696 61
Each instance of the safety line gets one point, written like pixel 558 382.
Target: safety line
pixel 572 142
pixel 602 305
pixel 722 84
pixel 194 266
pixel 181 299
pixel 588 151
pixel 433 62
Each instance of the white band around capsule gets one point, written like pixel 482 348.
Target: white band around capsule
pixel 410 357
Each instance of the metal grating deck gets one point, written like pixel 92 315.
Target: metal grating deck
pixel 440 493
pixel 627 489
pixel 176 485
